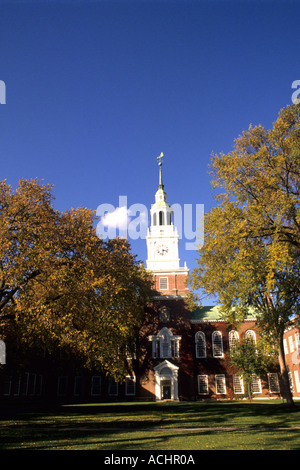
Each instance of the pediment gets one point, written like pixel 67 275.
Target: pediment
pixel 163 364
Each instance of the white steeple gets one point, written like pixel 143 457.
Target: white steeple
pixel 162 238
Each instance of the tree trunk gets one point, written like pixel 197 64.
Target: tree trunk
pixel 284 374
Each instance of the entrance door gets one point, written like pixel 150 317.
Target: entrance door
pixel 166 390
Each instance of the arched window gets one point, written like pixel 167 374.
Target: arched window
pixel 233 339
pixel 169 218
pixel 217 343
pixel 165 344
pixel 250 334
pixel 161 218
pixel 154 218
pixel 200 344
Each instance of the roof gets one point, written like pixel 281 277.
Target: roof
pixel 213 313
pixel 207 313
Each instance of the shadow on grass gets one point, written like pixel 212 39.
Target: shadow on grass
pixel 133 425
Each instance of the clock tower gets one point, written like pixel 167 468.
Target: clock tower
pixel 162 246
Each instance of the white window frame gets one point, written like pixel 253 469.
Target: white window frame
pixel 256 384
pixel 297 342
pixel 220 382
pixel 291 344
pixel 273 382
pixel 198 335
pixel 165 345
pixel 238 384
pixel 291 381
pixel 250 334
pixel 285 346
pixel 130 379
pixel 234 338
pixel 217 348
pixel 297 380
pixel 163 280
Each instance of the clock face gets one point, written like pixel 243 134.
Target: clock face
pixel 162 250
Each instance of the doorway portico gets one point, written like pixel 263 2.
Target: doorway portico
pixel 166 381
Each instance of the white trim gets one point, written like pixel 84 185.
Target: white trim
pixel 215 346
pixel 204 379
pixel 172 377
pixel 220 382
pixel 133 380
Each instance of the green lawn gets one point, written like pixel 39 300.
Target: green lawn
pixel 152 426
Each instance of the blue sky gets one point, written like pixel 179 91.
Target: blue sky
pixel 95 90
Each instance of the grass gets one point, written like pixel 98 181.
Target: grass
pixel 164 426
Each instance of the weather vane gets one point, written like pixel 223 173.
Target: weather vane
pixel 160 159
pixel 160 186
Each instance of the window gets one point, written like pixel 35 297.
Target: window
pixel 297 381
pixel 78 386
pixel 203 384
pixel 2 352
pixel 112 387
pixel 256 384
pixel 130 382
pixel 164 314
pixel 62 386
pixel 31 384
pixel 297 342
pixel 24 383
pixel 155 347
pixel 165 344
pixel 238 384
pixel 7 385
pixel 291 343
pixel 220 384
pixel 17 385
pixel 285 347
pixel 200 344
pixel 96 385
pixel 250 334
pixel 39 385
pixel 217 344
pixel 291 382
pixel 154 218
pixel 161 218
pixel 163 283
pixel 233 339
pixel 273 382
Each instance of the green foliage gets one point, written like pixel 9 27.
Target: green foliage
pixel 251 358
pixel 251 255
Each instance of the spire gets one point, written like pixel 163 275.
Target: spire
pixel 160 185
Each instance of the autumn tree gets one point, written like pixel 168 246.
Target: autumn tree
pixel 61 287
pixel 251 251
